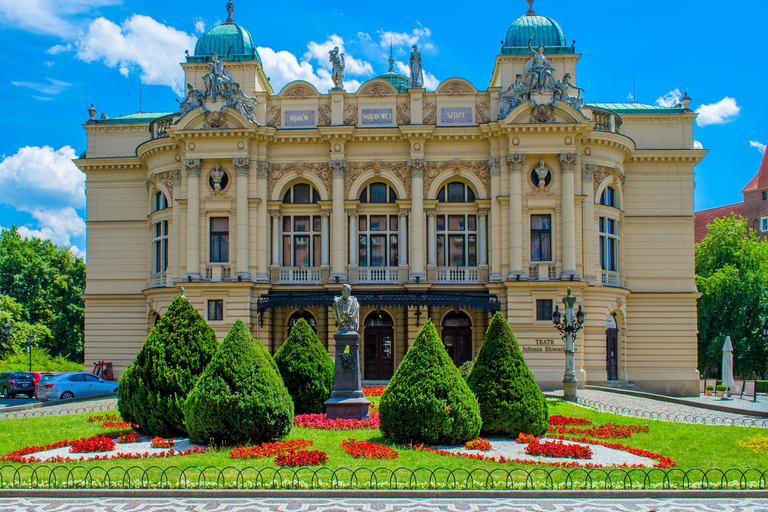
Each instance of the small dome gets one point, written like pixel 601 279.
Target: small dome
pixel 226 39
pixel 544 31
pixel 401 82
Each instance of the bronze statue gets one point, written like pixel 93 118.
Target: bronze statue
pixel 346 310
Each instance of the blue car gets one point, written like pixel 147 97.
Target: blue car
pixel 73 385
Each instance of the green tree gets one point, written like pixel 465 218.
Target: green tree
pixel 731 275
pixel 47 281
pixel 240 397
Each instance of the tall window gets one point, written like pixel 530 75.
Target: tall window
pixel 378 244
pixel 456 240
pixel 161 202
pixel 378 193
pixel 609 244
pixel 608 197
pixel 216 309
pixel 456 192
pixel 219 239
pixel 541 238
pixel 301 241
pixel 301 193
pixel 160 246
pixel 543 309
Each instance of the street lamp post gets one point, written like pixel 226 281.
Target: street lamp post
pixel 30 342
pixel 570 325
pixel 6 330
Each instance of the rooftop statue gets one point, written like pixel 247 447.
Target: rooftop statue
pixel 346 310
pixel 237 99
pixel 515 94
pixel 417 72
pixel 191 101
pixel 538 70
pixel 218 81
pixel 561 92
pixel 337 73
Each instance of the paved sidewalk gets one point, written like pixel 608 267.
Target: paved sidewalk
pixel 64 407
pixel 382 505
pixel 736 403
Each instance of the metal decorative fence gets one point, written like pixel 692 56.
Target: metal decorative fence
pixel 56 410
pixel 193 477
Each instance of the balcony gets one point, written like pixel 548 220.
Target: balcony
pixel 218 273
pixel 158 280
pixel 299 275
pixel 467 275
pixel 157 128
pixel 610 278
pixel 383 275
pixel 606 120
pixel 542 272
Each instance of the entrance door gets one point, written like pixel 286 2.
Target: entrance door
pixel 457 337
pixel 378 350
pixel 611 356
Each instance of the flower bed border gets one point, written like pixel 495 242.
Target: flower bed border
pixel 24 455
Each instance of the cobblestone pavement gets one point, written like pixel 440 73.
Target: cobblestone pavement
pixel 64 407
pixel 380 505
pixel 628 405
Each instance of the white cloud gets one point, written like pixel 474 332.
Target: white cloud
pixel 697 145
pixel 51 17
pixel 39 178
pixel 139 42
pixel 58 48
pixel 53 88
pixel 760 146
pixel 200 25
pixel 722 112
pixel 59 226
pixel 418 36
pixel 671 99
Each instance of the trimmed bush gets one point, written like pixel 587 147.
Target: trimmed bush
pixel 154 388
pixel 427 401
pixel 466 369
pixel 240 398
pixel 306 368
pixel 510 400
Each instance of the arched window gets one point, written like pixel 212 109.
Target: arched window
pixel 378 193
pixel 161 202
pixel 301 193
pixel 456 192
pixel 608 197
pixel 306 315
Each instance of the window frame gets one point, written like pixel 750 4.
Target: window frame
pixel 223 242
pixel 391 237
pixel 538 303
pixel 539 232
pixel 217 314
pixel 609 243
pixel 160 246
pixel 443 235
pixel 313 235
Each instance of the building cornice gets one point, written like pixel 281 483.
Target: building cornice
pixel 693 156
pixel 109 163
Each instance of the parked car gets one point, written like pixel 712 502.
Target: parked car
pixel 17 383
pixel 71 385
pixel 39 376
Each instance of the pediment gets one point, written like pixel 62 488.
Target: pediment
pixel 556 112
pixel 299 89
pixel 456 86
pixel 222 118
pixel 377 88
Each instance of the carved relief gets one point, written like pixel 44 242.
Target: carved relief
pixel 299 91
pixel 541 179
pixel 481 113
pixel 351 114
pixel 262 169
pixel 430 113
pixel 455 87
pixel 324 115
pixel 242 165
pixel 357 169
pixel 377 90
pixel 165 178
pixel 277 171
pixel 494 166
pixel 403 114
pixel 215 120
pixel 601 172
pixel 568 162
pixel 274 117
pixel 515 161
pixel 417 166
pixel 542 114
pixel 192 166
pixel 478 168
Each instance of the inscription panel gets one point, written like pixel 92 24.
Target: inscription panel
pixel 377 116
pixel 456 115
pixel 299 119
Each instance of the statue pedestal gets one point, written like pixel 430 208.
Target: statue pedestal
pixel 347 400
pixel 542 98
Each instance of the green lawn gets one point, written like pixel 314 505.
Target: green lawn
pixel 691 446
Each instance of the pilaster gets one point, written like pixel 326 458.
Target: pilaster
pixel 515 164
pixel 567 168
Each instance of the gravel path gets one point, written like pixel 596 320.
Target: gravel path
pixel 180 444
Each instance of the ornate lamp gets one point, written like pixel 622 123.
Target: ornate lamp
pixel 570 325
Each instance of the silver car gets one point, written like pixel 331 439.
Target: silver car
pixel 71 385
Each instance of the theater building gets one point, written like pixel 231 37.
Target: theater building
pixel 446 205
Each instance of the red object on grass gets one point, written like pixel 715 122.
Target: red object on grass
pixel 100 443
pixel 302 458
pixel 558 449
pixel 368 450
pixel 478 444
pixel 269 449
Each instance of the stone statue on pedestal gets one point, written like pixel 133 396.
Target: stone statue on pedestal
pixel 218 81
pixel 191 101
pixel 337 71
pixel 346 310
pixel 417 71
pixel 538 70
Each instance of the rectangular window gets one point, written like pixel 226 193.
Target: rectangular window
pixel 764 224
pixel 544 309
pixel 160 246
pixel 375 233
pixel 541 238
pixel 301 241
pixel 609 244
pixel 216 309
pixel 765 195
pixel 219 239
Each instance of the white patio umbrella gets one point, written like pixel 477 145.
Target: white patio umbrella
pixel 728 365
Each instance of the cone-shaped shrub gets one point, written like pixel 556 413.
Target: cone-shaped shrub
pixel 427 401
pixel 240 398
pixel 306 368
pixel 154 388
pixel 510 400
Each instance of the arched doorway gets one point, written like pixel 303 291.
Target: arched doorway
pixel 379 346
pixel 611 349
pixel 457 337
pixel 306 316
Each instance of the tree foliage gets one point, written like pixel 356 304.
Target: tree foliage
pixel 154 388
pixel 46 280
pixel 510 400
pixel 731 275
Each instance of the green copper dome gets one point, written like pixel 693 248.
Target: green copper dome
pixel 401 82
pixel 544 31
pixel 227 39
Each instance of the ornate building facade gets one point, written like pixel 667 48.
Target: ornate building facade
pixel 446 205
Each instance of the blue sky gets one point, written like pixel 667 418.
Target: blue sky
pixel 67 54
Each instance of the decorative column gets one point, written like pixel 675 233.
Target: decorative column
pixel 589 232
pixel 494 248
pixel 338 268
pixel 324 238
pixel 262 221
pixel 352 239
pixel 515 163
pixel 175 234
pixel 192 165
pixel 417 166
pixel 276 239
pixel 567 168
pixel 481 237
pixel 242 165
pixel 403 240
pixel 431 248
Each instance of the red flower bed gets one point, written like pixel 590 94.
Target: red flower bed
pixel 366 450
pixel 302 458
pixel 478 444
pixel 269 449
pixel 123 425
pixel 159 442
pixel 505 460
pixel 321 421
pixel 23 456
pixel 523 438
pixel 558 449
pixel 607 431
pixel 374 391
pixel 92 444
pixel 663 462
pixel 18 455
pixel 130 437
pixel 556 419
pixel 104 417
